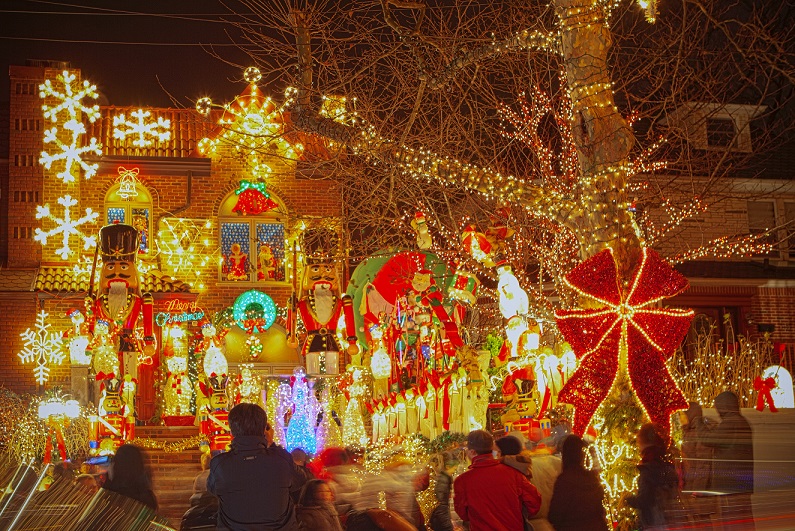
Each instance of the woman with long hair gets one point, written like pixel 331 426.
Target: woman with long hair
pixel 129 476
pixel 316 511
pixel 578 493
pixel 658 482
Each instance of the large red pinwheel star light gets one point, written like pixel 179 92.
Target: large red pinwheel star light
pixel 627 334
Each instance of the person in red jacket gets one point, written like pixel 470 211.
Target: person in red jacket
pixel 490 495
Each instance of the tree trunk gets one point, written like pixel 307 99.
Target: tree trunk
pixel 602 136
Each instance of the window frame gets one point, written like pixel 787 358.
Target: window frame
pixel 128 205
pixel 277 216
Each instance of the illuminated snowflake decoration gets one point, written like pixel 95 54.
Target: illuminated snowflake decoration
pixel 65 226
pixel 41 347
pixel 67 139
pixel 142 129
pixel 185 248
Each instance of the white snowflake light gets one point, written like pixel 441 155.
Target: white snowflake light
pixel 141 129
pixel 67 139
pixel 41 347
pixel 66 226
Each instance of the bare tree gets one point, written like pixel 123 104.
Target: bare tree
pixel 438 122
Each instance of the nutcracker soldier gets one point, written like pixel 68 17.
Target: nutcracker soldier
pixel 120 304
pixel 320 308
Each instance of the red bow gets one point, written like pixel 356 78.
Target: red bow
pixel 627 323
pixel 763 387
pixel 102 376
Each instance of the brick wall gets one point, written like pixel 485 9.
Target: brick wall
pixel 776 306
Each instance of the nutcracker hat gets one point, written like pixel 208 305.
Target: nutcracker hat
pixel 118 243
pixel 320 245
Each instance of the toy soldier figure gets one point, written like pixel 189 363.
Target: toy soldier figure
pixel 320 308
pixel 119 301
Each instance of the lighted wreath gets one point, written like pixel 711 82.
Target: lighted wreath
pixel 254 311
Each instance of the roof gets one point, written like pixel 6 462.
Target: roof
pixel 64 279
pixel 731 269
pixel 17 279
pixel 187 127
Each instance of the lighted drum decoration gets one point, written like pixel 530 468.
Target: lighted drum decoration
pixel 254 311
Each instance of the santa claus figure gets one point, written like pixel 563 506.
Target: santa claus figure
pixel 320 308
pixel 120 302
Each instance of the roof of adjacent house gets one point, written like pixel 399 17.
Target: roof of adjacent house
pixel 64 279
pixel 17 279
pixel 735 269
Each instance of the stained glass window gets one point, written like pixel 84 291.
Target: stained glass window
pixel 135 211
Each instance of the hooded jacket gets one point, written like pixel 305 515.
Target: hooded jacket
pixel 253 483
pixel 490 496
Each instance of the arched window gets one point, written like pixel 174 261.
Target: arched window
pixel 135 210
pixel 252 245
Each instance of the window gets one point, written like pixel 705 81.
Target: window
pixel 720 132
pixel 25 124
pixel 135 211
pixel 27 88
pixel 252 246
pixel 761 219
pixel 24 160
pixel 22 196
pixel 789 218
pixel 23 233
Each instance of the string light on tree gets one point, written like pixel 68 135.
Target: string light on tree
pixel 65 226
pixel 141 129
pixel 67 139
pixel 42 347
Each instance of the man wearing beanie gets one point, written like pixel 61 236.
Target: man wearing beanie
pixel 490 495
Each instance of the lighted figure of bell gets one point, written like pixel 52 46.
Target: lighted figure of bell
pixel 513 300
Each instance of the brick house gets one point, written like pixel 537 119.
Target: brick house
pixel 183 197
pixel 179 191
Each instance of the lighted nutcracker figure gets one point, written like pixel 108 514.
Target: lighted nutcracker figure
pixel 120 303
pixel 320 308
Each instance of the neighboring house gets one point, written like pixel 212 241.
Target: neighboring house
pixel 755 294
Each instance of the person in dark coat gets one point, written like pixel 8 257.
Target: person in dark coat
pixel 253 480
pixel 129 476
pixel 696 470
pixel 441 519
pixel 300 458
pixel 658 482
pixel 316 511
pixel 733 466
pixel 578 494
pixel 490 495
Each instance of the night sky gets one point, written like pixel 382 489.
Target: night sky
pixel 129 74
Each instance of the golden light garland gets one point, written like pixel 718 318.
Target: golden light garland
pixel 170 447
